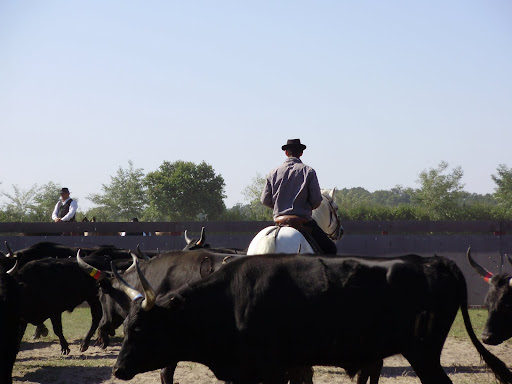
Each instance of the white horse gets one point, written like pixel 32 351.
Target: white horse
pixel 285 239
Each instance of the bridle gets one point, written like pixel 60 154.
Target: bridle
pixel 332 215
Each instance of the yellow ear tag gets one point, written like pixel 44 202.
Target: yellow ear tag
pixel 95 273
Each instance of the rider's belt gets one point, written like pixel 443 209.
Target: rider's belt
pixel 293 221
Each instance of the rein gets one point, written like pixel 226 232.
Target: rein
pixel 332 212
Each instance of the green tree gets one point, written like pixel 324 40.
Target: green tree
pixel 440 194
pixel 185 191
pixel 20 205
pixel 347 198
pixel 503 190
pixel 254 210
pixel 44 202
pixel 392 198
pixel 238 212
pixel 123 198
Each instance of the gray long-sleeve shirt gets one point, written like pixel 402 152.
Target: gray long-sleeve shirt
pixel 292 189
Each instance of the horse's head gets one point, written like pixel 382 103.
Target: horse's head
pixel 326 215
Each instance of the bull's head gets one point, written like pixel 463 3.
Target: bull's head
pixel 498 302
pixel 195 244
pixel 149 293
pixel 143 330
pixel 9 258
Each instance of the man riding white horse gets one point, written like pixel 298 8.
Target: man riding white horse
pixel 293 192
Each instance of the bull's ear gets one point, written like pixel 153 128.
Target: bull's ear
pixel 105 285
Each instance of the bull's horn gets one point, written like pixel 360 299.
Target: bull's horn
pixel 13 269
pixel 131 292
pixel 508 258
pixel 149 293
pixel 89 269
pixel 510 261
pixel 332 192
pixel 131 267
pixel 142 254
pixel 11 253
pixel 478 268
pixel 201 239
pixel 187 239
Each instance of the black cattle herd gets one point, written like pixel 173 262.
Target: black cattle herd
pixel 250 319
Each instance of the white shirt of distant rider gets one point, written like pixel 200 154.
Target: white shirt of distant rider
pixel 73 207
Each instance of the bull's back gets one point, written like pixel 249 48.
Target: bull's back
pixel 52 286
pixel 347 308
pixel 172 270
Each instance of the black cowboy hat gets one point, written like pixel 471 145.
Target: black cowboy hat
pixel 64 190
pixel 293 143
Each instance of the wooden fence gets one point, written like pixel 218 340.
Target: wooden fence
pixel 489 240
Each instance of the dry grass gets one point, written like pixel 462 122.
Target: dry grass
pixel 40 361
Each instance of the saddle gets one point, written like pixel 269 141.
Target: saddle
pixel 297 223
pixel 293 221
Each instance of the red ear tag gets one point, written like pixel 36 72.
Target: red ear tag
pixel 488 277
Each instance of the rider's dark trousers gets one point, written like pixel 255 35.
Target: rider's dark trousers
pixel 312 229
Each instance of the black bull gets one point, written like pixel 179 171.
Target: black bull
pixel 498 302
pixel 100 256
pixel 9 323
pixel 257 316
pixel 166 272
pixel 50 286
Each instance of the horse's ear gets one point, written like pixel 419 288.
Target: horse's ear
pixel 333 191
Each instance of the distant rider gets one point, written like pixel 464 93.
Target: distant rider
pixel 293 189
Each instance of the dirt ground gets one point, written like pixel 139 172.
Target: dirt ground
pixel 40 362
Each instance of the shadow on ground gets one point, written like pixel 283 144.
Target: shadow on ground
pixel 408 371
pixel 67 375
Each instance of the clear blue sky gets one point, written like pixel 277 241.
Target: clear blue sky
pixel 377 90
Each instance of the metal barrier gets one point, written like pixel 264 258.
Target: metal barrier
pixel 489 240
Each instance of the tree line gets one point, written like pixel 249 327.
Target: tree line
pixel 185 191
